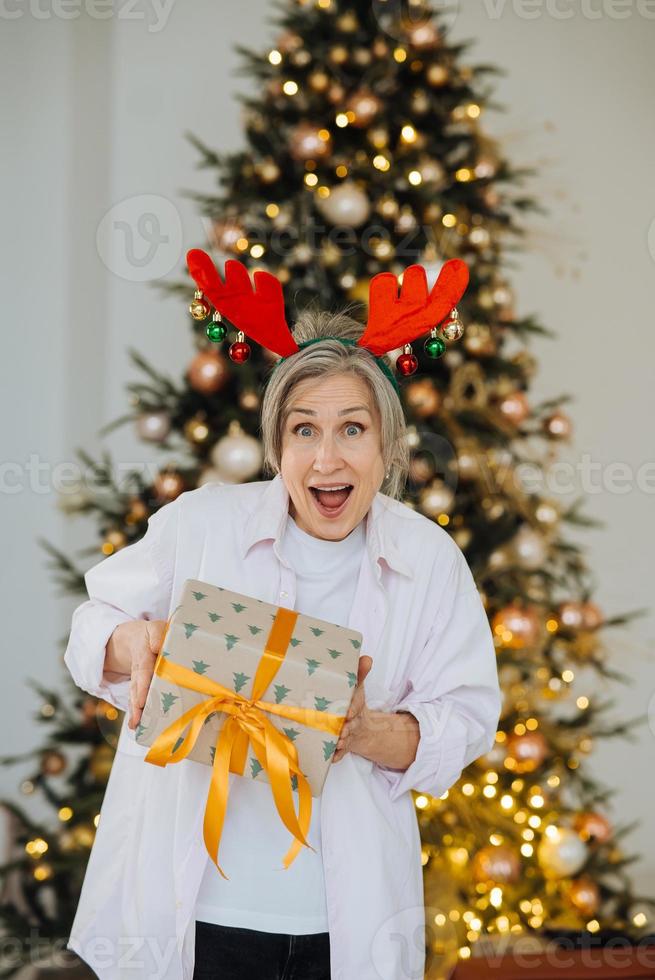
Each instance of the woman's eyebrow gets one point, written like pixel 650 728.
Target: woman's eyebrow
pixel 345 411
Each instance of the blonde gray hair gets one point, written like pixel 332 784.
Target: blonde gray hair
pixel 325 359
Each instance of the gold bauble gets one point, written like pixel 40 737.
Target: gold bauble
pixel 515 407
pixel 547 513
pixel 570 615
pixel 267 170
pixel 138 511
pixel 100 763
pixel 406 220
pixel 225 234
pixel 347 22
pixel 338 55
pixel 84 836
pixel 336 93
pixel 437 75
pixel 319 81
pixel 378 136
pixel 584 895
pixel 496 864
pixel 435 499
pixel 249 400
pixel 468 464
pixel 309 141
pixel 516 627
pixel 380 48
pixel 558 426
pixel 365 105
pixel 199 308
pixel 423 398
pixel 526 362
pixel 479 340
pixel 593 827
pixel 52 763
pixel 362 57
pixel 527 751
pixel 196 429
pixel 463 537
pixel 208 372
pixel 420 469
pixel 420 102
pixel 301 58
pixel 433 212
pixel 387 206
pixel 168 485
pixel 114 541
pixel 288 41
pixel 423 36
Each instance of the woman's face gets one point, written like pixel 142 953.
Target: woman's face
pixel 331 438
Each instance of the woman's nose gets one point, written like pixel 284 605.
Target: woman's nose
pixel 327 453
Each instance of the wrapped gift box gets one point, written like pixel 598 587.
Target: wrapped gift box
pixel 225 637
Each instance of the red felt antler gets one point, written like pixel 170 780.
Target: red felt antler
pixel 395 320
pixel 257 310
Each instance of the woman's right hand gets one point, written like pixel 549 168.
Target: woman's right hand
pixel 134 646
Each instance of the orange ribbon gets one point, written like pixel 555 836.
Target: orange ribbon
pixel 246 723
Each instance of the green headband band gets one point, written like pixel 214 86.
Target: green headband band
pixel 384 367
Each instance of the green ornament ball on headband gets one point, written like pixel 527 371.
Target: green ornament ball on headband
pixel 384 367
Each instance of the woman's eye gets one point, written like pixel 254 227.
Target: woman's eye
pixel 298 430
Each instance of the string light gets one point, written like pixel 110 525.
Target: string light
pixel 257 251
pixel 408 134
pixel 414 177
pixel 274 57
pixel 380 162
pixel 400 55
pixel 290 87
pixel 272 210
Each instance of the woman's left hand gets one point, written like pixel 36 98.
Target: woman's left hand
pixel 358 726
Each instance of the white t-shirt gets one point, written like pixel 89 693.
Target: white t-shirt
pixel 261 894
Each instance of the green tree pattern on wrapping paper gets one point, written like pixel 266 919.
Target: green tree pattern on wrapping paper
pixel 212 753
pixel 189 629
pixel 177 744
pixel 352 678
pixel 356 643
pixel 255 630
pixel 255 768
pixel 198 596
pixel 321 704
pixel 335 653
pixel 239 681
pixel 214 616
pixel 291 733
pixel 294 641
pixel 294 781
pixel 281 692
pixel 312 665
pixel 317 631
pixel 328 749
pixel 168 699
pixel 139 730
pixel 199 666
pixel 231 640
pixel 238 607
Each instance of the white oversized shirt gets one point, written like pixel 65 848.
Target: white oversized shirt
pixel 425 627
pixel 261 893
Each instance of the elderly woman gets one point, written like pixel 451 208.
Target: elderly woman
pixel 328 536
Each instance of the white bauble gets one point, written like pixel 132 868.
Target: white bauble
pixel 237 455
pixel 347 205
pixel 529 548
pixel 561 852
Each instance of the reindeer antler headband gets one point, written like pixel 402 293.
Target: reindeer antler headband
pixel 394 320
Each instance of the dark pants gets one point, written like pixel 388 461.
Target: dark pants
pixel 233 953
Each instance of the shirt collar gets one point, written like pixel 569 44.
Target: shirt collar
pixel 268 520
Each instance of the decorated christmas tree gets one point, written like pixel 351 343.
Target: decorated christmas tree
pixel 365 151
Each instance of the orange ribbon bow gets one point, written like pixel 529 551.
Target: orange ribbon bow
pixel 246 723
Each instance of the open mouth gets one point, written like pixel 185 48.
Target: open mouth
pixel 332 502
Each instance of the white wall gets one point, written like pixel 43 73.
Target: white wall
pixel 95 116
